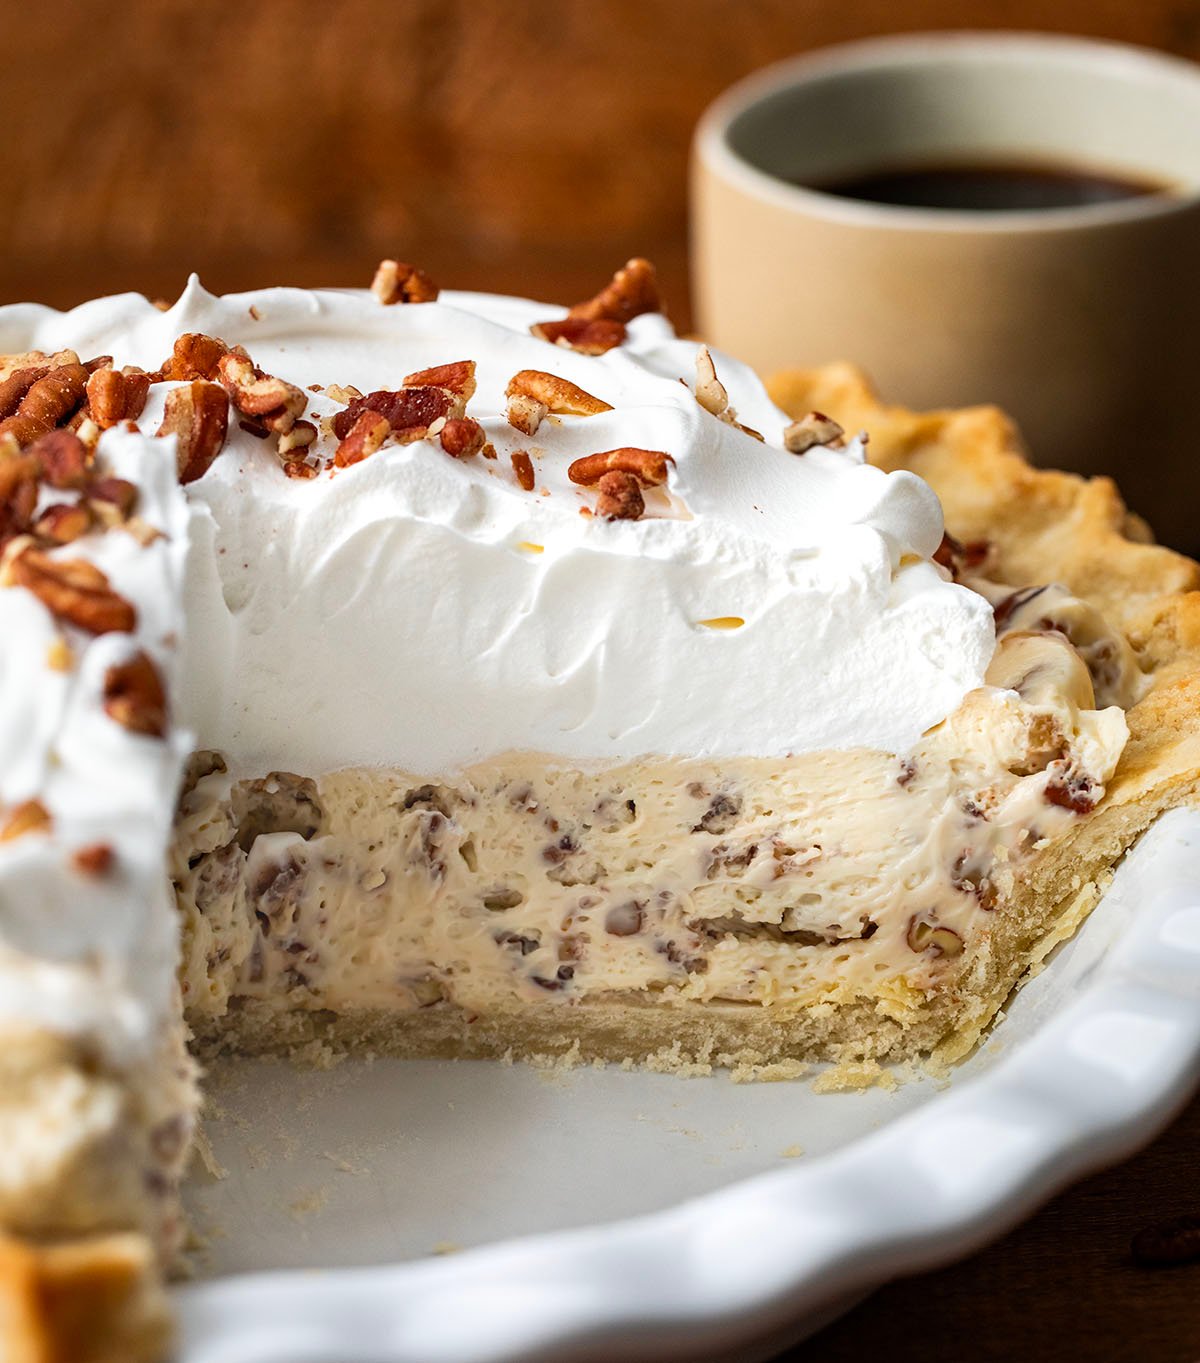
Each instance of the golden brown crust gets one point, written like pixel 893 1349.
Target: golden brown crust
pixel 1041 525
pixel 92 1300
pixel 1045 526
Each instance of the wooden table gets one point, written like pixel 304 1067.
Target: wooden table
pixel 529 147
pixel 1061 1287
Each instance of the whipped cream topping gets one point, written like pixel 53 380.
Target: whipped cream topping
pixel 418 611
pixel 78 952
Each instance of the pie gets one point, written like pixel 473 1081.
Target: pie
pixel 447 674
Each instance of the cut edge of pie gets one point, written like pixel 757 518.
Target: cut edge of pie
pixel 1037 525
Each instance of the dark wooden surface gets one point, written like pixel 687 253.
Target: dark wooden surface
pixel 1062 1287
pixel 523 146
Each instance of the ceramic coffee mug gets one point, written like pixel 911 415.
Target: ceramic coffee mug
pixel 1083 322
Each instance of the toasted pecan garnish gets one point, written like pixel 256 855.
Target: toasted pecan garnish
pixel 367 432
pixel 112 499
pixel 556 394
pixel 632 291
pixel 55 396
pixel 268 401
pixel 73 590
pixel 523 468
pixel 525 413
pixel 63 458
pixel 47 402
pixel 458 377
pixel 409 412
pixel 300 437
pixel 297 468
pixel 19 475
pixel 33 359
pixel 620 497
pixel 589 336
pixel 711 393
pixel 115 395
pixel 64 522
pixel 31 816
pixel 649 467
pixel 815 428
pixel 134 696
pixel 195 356
pixel 16 385
pixel 713 396
pixel 462 437
pixel 197 415
pixel 398 282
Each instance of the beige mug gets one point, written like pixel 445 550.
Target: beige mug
pixel 1082 322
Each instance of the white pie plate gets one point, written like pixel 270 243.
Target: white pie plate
pixel 415 1212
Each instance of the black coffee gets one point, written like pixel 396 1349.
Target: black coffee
pixel 990 187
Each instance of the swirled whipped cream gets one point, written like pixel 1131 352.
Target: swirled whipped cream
pixel 426 612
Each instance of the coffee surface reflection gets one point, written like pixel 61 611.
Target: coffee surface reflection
pixel 989 187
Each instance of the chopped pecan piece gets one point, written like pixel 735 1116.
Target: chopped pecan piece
pixel 462 437
pixel 134 696
pixel 458 377
pixel 925 936
pixel 397 282
pixel 300 437
pixel 73 590
pixel 525 413
pixel 712 395
pixel 48 402
pixel 269 402
pixel 710 391
pixel 19 475
pixel 1069 789
pixel 64 522
pixel 620 497
pixel 523 468
pixel 115 395
pixel 29 817
pixel 112 499
pixel 815 428
pixel 195 356
pixel 63 458
pixel 409 412
pixel 297 468
pixel 18 383
pixel 364 437
pixel 592 336
pixel 649 467
pixel 197 415
pixel 632 291
pixel 96 859
pixel 557 395
pixel 34 359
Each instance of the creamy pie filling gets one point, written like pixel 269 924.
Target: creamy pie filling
pixel 828 876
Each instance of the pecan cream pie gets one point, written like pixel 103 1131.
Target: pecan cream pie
pixel 452 674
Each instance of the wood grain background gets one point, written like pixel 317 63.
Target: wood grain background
pixel 528 146
pixel 524 145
